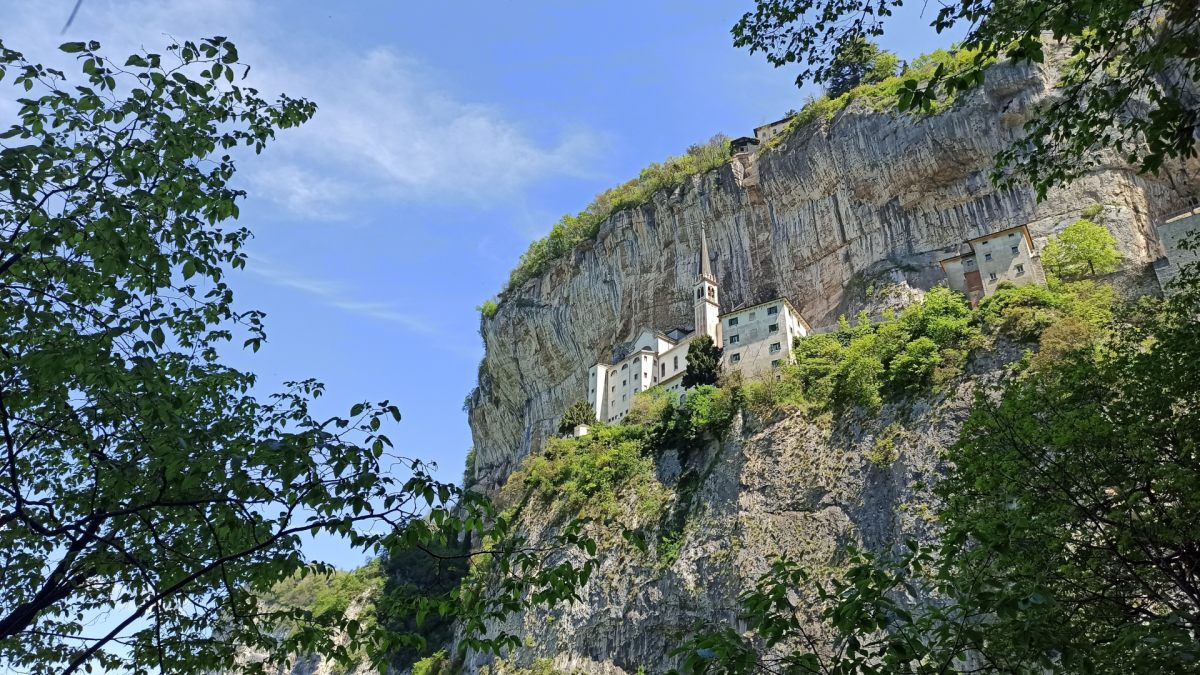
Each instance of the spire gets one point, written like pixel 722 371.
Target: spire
pixel 705 270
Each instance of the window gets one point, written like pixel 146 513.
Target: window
pixel 992 276
pixel 987 256
pixel 664 370
pixel 1016 250
pixel 751 316
pixel 712 292
pixel 645 375
pixel 984 241
pixel 593 375
pixel 1020 269
pixel 772 310
pixel 774 347
pixel 775 363
pixel 624 366
pixel 970 263
pixel 622 397
pixel 635 376
pixel 733 339
pixel 733 321
pixel 734 358
pixel 773 328
pixel 624 382
pixel 614 387
pixel 1012 234
pixel 699 293
pixel 676 363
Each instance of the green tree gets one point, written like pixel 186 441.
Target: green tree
pixel 703 362
pixel 1129 85
pixel 139 478
pixel 1083 248
pixel 858 62
pixel 580 412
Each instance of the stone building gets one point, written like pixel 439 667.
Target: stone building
pixel 754 338
pixel 978 266
pixel 1171 233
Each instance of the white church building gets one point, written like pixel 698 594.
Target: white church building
pixel 755 339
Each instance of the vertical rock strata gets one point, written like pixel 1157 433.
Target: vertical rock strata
pixel 871 193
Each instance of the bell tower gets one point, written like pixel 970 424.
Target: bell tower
pixel 705 297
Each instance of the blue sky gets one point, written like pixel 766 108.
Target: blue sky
pixel 448 136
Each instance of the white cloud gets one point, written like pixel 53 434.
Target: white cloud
pixel 384 129
pixel 334 294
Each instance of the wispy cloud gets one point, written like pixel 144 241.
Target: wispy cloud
pixel 334 294
pixel 386 129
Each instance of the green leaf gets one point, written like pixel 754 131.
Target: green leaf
pixel 189 269
pixel 72 47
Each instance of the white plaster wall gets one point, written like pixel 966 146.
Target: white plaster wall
pixel 1004 262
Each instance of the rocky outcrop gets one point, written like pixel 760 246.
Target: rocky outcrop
pixel 788 484
pixel 869 198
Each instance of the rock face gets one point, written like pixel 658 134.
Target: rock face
pixel 787 484
pixel 867 199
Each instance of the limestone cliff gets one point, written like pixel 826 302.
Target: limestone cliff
pixel 783 484
pixel 871 195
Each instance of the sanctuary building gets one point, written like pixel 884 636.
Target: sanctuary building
pixel 754 339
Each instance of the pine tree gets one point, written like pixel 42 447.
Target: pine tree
pixel 704 362
pixel 580 412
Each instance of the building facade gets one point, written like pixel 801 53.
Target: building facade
pixel 1174 230
pixel 754 339
pixel 980 264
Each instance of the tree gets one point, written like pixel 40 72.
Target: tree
pixel 703 362
pixel 1129 85
pixel 1083 248
pixel 859 62
pixel 580 412
pixel 138 477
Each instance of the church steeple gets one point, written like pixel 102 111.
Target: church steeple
pixel 707 300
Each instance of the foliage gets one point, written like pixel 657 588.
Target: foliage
pixel 649 407
pixel 140 480
pixel 1083 248
pixel 1091 211
pixel 589 474
pixel 469 480
pixel 544 666
pixel 570 230
pixel 488 309
pixel 1024 312
pixel 434 664
pixel 580 412
pixel 429 573
pixel 703 362
pixel 859 62
pixel 860 366
pixel 882 91
pixel 1128 86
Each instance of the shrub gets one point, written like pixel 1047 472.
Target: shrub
pixel 1023 312
pixel 649 407
pixel 488 309
pixel 586 473
pixel 437 664
pixel 883 451
pixel 912 371
pixel 1061 340
pixel 1091 211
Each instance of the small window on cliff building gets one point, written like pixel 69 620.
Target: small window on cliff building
pixel 970 263
pixel 774 347
pixel 773 328
pixel 734 358
pixel 664 370
pixel 712 292
pixel 699 293
pixel 733 339
pixel 987 256
pixel 733 321
pixel 1015 250
pixel 772 310
pixel 992 276
pixel 676 363
pixel 751 316
pixel 1020 269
